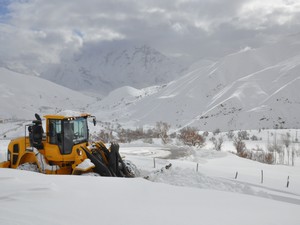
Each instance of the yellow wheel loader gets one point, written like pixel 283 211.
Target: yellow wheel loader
pixel 65 149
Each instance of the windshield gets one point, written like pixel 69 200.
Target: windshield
pixel 78 130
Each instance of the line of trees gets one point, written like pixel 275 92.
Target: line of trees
pixel 278 152
pixel 189 135
pixel 282 150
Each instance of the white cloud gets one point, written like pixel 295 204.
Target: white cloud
pixel 205 28
pixel 263 14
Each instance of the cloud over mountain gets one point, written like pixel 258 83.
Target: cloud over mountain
pixel 37 31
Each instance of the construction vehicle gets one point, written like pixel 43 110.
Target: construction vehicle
pixel 65 149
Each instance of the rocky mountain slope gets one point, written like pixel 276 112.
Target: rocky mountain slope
pixel 101 69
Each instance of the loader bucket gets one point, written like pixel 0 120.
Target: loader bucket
pixel 100 167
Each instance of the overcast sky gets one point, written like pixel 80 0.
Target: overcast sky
pixel 39 30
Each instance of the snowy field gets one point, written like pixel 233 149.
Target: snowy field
pixel 199 188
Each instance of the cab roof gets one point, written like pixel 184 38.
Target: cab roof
pixel 61 117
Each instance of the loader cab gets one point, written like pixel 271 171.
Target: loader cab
pixel 66 132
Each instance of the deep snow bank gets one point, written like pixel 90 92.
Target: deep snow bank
pixel 30 198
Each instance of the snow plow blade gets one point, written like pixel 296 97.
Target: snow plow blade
pixel 100 168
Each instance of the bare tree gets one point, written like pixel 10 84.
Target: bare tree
pixel 216 131
pixel 190 136
pixel 239 145
pixel 217 142
pixel 293 156
pixel 276 149
pixel 254 138
pixel 286 140
pixel 230 134
pixel 162 129
pixel 205 134
pixel 105 136
pixel 269 158
pixel 243 135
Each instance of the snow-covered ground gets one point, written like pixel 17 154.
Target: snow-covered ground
pixel 199 188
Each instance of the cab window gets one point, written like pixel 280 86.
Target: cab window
pixel 55 131
pixel 80 130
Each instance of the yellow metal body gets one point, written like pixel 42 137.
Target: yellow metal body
pixel 20 151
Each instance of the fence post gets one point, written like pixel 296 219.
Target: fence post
pixel 262 176
pixel 154 162
pixel 288 181
pixel 197 167
pixel 236 174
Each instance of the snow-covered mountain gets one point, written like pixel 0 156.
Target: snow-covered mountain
pixel 251 89
pixel 103 68
pixel 22 96
pixel 254 88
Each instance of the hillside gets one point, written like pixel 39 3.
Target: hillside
pixel 102 68
pixel 22 96
pixel 251 89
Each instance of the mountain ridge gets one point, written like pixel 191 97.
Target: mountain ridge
pixel 250 89
pixel 247 90
pixel 101 69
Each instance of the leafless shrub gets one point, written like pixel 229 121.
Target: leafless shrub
pixel 269 158
pixel 216 131
pixel 254 138
pixel 258 154
pixel 275 149
pixel 239 145
pixel 162 129
pixel 205 134
pixel 245 154
pixel 243 135
pixel 286 139
pixel 148 140
pixel 230 134
pixel 190 136
pixel 105 136
pixel 217 142
pixel 127 135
